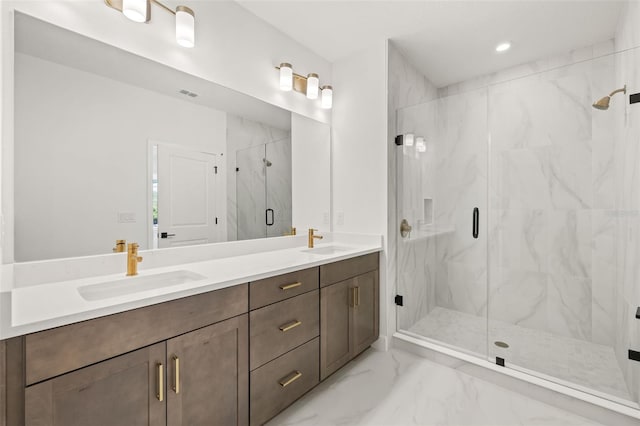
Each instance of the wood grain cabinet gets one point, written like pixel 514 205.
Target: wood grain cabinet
pixel 194 372
pixel 349 310
pixel 284 349
pixel 199 378
pixel 234 356
pixel 121 391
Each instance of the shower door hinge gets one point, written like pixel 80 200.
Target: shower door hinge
pixel 634 355
pixel 500 361
pixel 215 169
pixel 399 140
pixel 634 98
pixel 638 313
pixel 399 300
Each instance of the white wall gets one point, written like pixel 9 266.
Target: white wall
pixel 311 178
pixel 359 152
pixel 81 157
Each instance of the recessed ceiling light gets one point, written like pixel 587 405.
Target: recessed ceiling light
pixel 502 47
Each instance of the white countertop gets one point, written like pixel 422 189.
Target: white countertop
pixel 32 308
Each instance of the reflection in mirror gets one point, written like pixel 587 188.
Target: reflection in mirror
pixel 110 146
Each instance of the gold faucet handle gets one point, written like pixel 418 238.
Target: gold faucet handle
pixel 120 244
pixel 139 258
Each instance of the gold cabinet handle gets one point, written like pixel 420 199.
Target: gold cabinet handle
pixel 176 377
pixel 357 296
pixel 289 326
pixel 352 303
pixel 293 377
pixel 284 287
pixel 160 393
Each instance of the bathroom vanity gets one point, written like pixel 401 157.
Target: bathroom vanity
pixel 236 355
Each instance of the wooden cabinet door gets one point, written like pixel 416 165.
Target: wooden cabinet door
pixel 208 375
pixel 335 319
pixel 121 391
pixel 365 312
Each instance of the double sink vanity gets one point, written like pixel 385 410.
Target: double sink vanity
pixel 228 337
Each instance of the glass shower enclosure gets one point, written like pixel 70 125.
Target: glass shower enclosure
pixel 522 229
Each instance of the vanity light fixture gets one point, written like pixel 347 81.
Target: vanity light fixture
pixel 140 11
pixel 286 77
pixel 308 86
pixel 421 146
pixel 327 97
pixel 312 86
pixel 408 139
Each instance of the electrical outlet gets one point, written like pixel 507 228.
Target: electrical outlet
pixel 340 220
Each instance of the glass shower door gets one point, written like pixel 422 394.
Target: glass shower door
pixel 441 181
pixel 561 220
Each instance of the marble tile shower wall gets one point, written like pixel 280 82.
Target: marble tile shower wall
pixel 249 137
pixel 552 204
pixel 627 182
pixel 406 87
pixel 551 201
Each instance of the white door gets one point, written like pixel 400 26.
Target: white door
pixel 186 197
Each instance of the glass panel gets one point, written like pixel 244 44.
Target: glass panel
pixel 278 175
pixel 564 226
pixel 251 193
pixel 442 268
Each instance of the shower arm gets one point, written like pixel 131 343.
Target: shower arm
pixel 624 90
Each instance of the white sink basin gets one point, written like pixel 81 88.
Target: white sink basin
pixel 327 250
pixel 132 285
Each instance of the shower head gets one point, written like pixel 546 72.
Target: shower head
pixel 603 104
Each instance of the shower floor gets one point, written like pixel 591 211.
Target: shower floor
pixel 591 366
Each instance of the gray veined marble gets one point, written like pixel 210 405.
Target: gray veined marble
pixel 399 389
pixel 556 183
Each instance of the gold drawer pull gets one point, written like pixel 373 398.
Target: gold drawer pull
pixel 286 382
pixel 290 286
pixel 176 368
pixel 160 393
pixel 357 296
pixel 292 324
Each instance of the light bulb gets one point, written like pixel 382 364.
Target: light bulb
pixel 185 26
pixel 286 77
pixel 327 97
pixel 312 86
pixel 408 139
pixel 503 47
pixel 136 10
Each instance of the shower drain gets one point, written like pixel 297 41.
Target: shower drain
pixel 501 344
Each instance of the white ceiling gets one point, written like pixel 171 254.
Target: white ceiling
pixel 52 43
pixel 448 41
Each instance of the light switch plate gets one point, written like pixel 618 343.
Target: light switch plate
pixel 126 217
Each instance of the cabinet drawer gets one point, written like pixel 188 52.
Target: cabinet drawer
pixel 274 289
pixel 53 352
pixel 349 268
pixel 277 384
pixel 278 328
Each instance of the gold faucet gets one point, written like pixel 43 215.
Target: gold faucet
pixel 132 259
pixel 311 236
pixel 291 232
pixel 120 244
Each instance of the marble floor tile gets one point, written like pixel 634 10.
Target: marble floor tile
pixel 590 366
pixel 397 388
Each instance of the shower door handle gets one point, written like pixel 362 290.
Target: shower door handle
pixel 476 222
pixel 267 217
